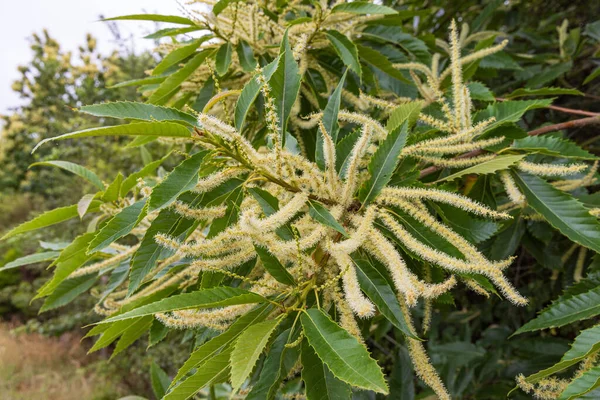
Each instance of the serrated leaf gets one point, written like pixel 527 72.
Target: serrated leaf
pixel 167 89
pixel 575 308
pixel 72 257
pixel 84 204
pixel 500 60
pixel 363 7
pixel 379 61
pixel 216 344
pixel 584 345
pixel 67 291
pixel 213 370
pixel 376 287
pixel 76 169
pixel 173 19
pixel 247 348
pixel 583 384
pixel 346 50
pixel 139 111
pixel 159 380
pixel 171 32
pixel 345 357
pixel 274 266
pixel 221 5
pixel 481 92
pixel 118 226
pixel 561 210
pixel 250 93
pixel 47 219
pixel 113 191
pixel 132 179
pixel 30 259
pixel 132 333
pixel 497 163
pixel 184 177
pixel 154 129
pixel 508 111
pixel 176 56
pixel 208 298
pixel 404 112
pixel 414 47
pixel 285 85
pixel 383 163
pixel 595 73
pixel 549 74
pixel 553 146
pixel 330 122
pixel 246 56
pixel 223 59
pixel 321 214
pixel 548 91
pixel 319 381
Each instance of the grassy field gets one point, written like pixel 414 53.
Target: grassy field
pixel 36 367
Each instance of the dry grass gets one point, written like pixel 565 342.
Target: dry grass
pixel 37 367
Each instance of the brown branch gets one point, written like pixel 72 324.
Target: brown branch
pixel 564 109
pixel 577 123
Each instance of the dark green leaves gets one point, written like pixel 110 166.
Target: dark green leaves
pixel 497 163
pixel 30 259
pixel 183 178
pixel 562 312
pixel 383 163
pixel 321 214
pixel 345 49
pixel 363 7
pixel 553 146
pixel 118 226
pixel 285 85
pixel 509 111
pixel 377 288
pixel 246 56
pixel 208 298
pixel 320 382
pixel 345 357
pixel 330 122
pixel 274 266
pixel 176 56
pixel 561 210
pixel 76 169
pixel 139 111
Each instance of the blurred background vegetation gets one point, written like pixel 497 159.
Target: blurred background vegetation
pixel 552 43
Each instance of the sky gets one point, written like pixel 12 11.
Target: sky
pixel 67 21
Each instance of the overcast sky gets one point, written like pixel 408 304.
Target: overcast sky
pixel 68 21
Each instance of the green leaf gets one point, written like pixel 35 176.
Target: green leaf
pixel 345 357
pixel 218 343
pixel 47 219
pixel 270 205
pixel 213 370
pixel 221 5
pixel 158 332
pixel 547 91
pixel 171 32
pixel 320 383
pixel 176 56
pixel 173 19
pixel 401 381
pixel 346 50
pixel 500 60
pixel 113 190
pixel 330 122
pixel 208 298
pixel 67 291
pixel 377 288
pixel 497 163
pixel 30 259
pixel 155 129
pixel 285 85
pixel 184 177
pixel 159 380
pixel 72 257
pixel 246 56
pixel 250 93
pixel 561 210
pixel 595 73
pixel 575 308
pixel 274 266
pixel 404 112
pixel 84 204
pixel 132 179
pixel 583 384
pixel 553 146
pixel 414 47
pixel 585 344
pixel 481 92
pixel 549 74
pixel 247 348
pixel 321 214
pixel 223 59
pixel 118 226
pixel 153 80
pixel 343 150
pixel 379 61
pixel 360 7
pixel 167 89
pixel 509 111
pixel 132 333
pixel 76 169
pixel 383 163
pixel 139 111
